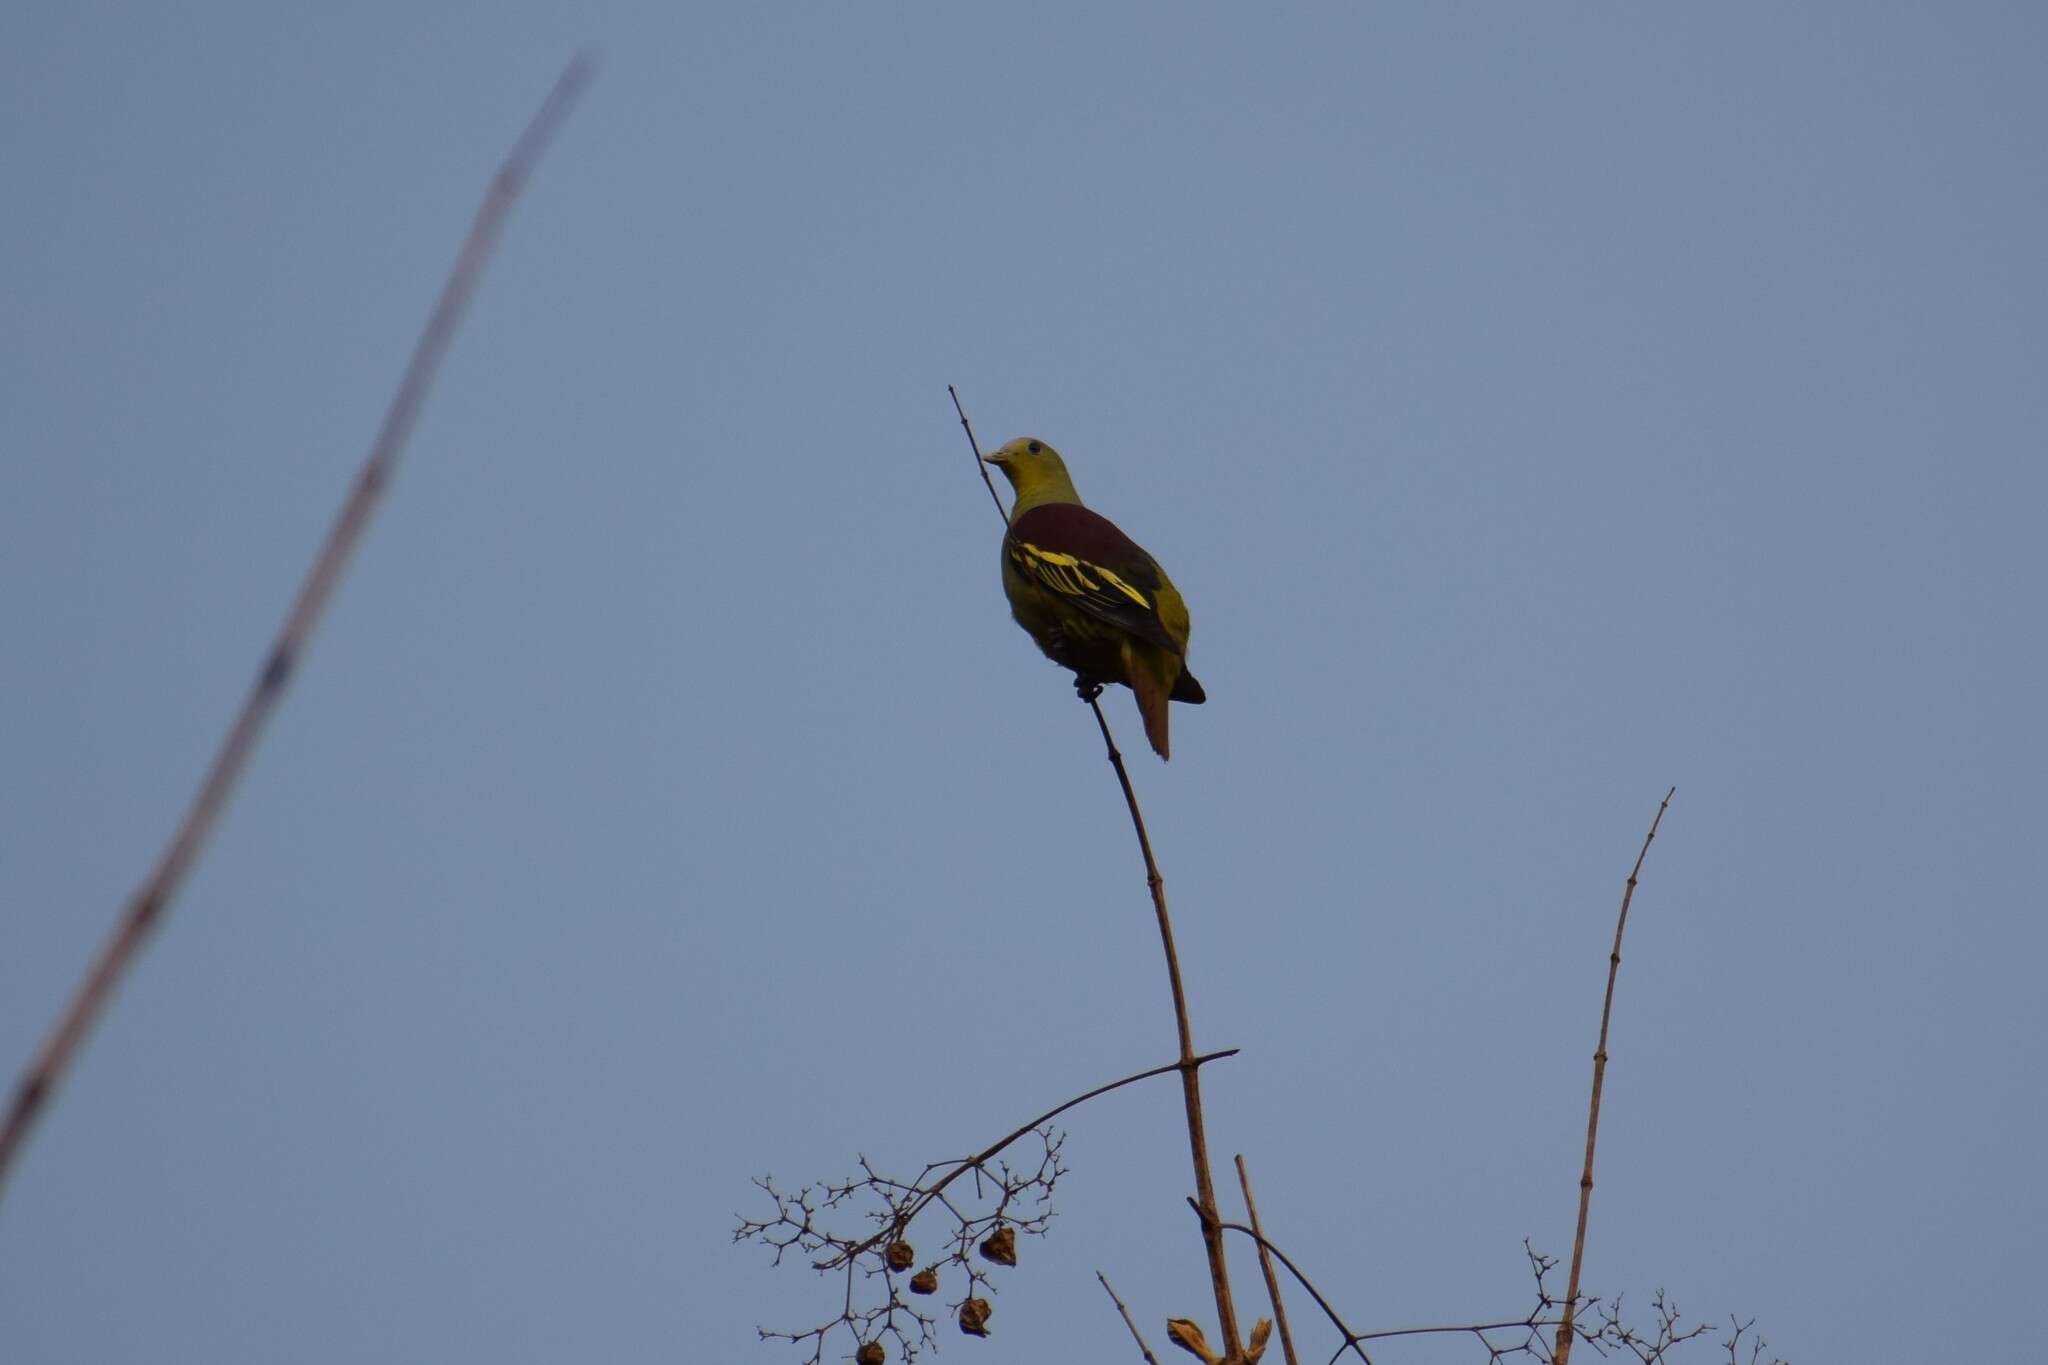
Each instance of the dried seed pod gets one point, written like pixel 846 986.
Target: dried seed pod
pixel 900 1256
pixel 1187 1334
pixel 1256 1347
pixel 870 1353
pixel 974 1317
pixel 1001 1246
pixel 925 1281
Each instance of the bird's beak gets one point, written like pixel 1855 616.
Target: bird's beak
pixel 994 457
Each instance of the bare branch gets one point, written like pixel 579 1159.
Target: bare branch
pixel 1564 1330
pixel 1251 1210
pixel 1143 1349
pixel 1190 1078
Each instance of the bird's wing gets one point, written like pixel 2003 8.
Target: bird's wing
pixel 1084 560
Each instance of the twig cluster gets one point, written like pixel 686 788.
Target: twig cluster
pixel 865 1229
pixel 1597 1322
pixel 1602 1325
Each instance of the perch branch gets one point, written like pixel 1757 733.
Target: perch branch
pixel 1190 1077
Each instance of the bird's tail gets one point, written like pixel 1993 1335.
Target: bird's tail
pixel 1149 670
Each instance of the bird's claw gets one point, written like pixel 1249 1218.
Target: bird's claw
pixel 1087 689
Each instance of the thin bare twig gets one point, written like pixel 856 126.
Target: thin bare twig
pixel 160 889
pixel 1143 1349
pixel 1477 1329
pixel 1251 1209
pixel 979 464
pixel 1351 1338
pixel 1563 1349
pixel 975 1162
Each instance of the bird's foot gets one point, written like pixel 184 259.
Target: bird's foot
pixel 1087 689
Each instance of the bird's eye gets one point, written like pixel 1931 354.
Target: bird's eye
pixel 1036 447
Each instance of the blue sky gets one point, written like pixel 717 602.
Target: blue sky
pixel 1538 407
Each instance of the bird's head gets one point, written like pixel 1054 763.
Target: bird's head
pixel 1035 470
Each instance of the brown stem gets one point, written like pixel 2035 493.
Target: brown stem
pixel 1143 1349
pixel 1562 1352
pixel 1190 1077
pixel 156 894
pixel 1251 1209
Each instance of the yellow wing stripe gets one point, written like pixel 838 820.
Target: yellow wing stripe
pixel 1069 574
pixel 1123 587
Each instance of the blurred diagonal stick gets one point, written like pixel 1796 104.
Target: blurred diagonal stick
pixel 1562 1352
pixel 156 893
